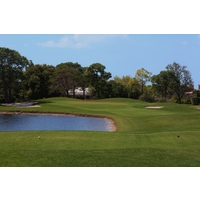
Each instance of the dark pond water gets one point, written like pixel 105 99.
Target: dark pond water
pixel 12 122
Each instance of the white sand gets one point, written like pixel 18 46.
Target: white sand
pixel 154 107
pixel 35 106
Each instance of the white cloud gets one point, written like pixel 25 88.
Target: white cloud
pixel 80 40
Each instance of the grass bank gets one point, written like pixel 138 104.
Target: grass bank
pixel 144 137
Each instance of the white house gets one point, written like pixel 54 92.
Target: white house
pixel 79 92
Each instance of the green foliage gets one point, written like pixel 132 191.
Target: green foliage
pixel 174 99
pixel 37 81
pixel 195 100
pixel 1 98
pixel 67 76
pixel 162 83
pixel 142 76
pixel 130 85
pixel 196 93
pixel 97 78
pixel 186 101
pixel 135 94
pixel 12 65
pixel 162 99
pixel 21 80
pixel 119 90
pixel 181 81
pixel 147 97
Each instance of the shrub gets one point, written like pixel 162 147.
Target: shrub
pixel 195 100
pixel 174 99
pixel 147 97
pixel 186 101
pixel 135 95
pixel 162 99
pixel 79 97
pixel 1 98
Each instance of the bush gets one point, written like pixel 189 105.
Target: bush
pixel 195 100
pixel 174 99
pixel 79 97
pixel 1 98
pixel 186 101
pixel 162 99
pixel 147 97
pixel 135 95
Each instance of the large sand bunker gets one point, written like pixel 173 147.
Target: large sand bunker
pixel 22 105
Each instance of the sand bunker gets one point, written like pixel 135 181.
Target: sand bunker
pixel 154 107
pixel 22 105
pixel 35 106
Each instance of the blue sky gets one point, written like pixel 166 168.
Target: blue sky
pixel 121 54
pixel 148 34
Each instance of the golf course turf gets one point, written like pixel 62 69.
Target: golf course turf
pixel 169 136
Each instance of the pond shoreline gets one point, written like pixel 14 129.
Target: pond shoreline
pixel 112 126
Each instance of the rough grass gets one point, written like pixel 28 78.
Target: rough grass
pixel 144 137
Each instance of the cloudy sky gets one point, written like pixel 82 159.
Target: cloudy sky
pixel 121 54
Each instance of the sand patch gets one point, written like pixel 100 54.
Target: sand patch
pixel 154 107
pixel 22 105
pixel 35 106
pixel 112 126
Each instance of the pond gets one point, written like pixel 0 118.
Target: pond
pixel 20 122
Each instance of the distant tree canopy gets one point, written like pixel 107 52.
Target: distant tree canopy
pixel 130 84
pixel 37 81
pixel 12 65
pixel 97 78
pixel 175 80
pixel 181 81
pixel 142 76
pixel 67 76
pixel 21 80
pixel 162 82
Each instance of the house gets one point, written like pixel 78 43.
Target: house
pixel 80 92
pixel 190 94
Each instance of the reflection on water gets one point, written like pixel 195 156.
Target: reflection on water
pixel 11 122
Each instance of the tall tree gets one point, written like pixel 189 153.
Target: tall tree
pixel 116 89
pixel 67 76
pixel 162 82
pixel 97 78
pixel 12 65
pixel 130 84
pixel 142 76
pixel 37 80
pixel 182 79
pixel 60 82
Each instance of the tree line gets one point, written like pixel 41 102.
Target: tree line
pixel 22 80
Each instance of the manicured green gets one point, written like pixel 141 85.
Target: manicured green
pixel 144 137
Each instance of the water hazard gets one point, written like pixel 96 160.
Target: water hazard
pixel 20 122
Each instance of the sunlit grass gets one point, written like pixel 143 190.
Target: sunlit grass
pixel 169 136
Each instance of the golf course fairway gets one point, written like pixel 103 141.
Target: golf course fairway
pixel 164 137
